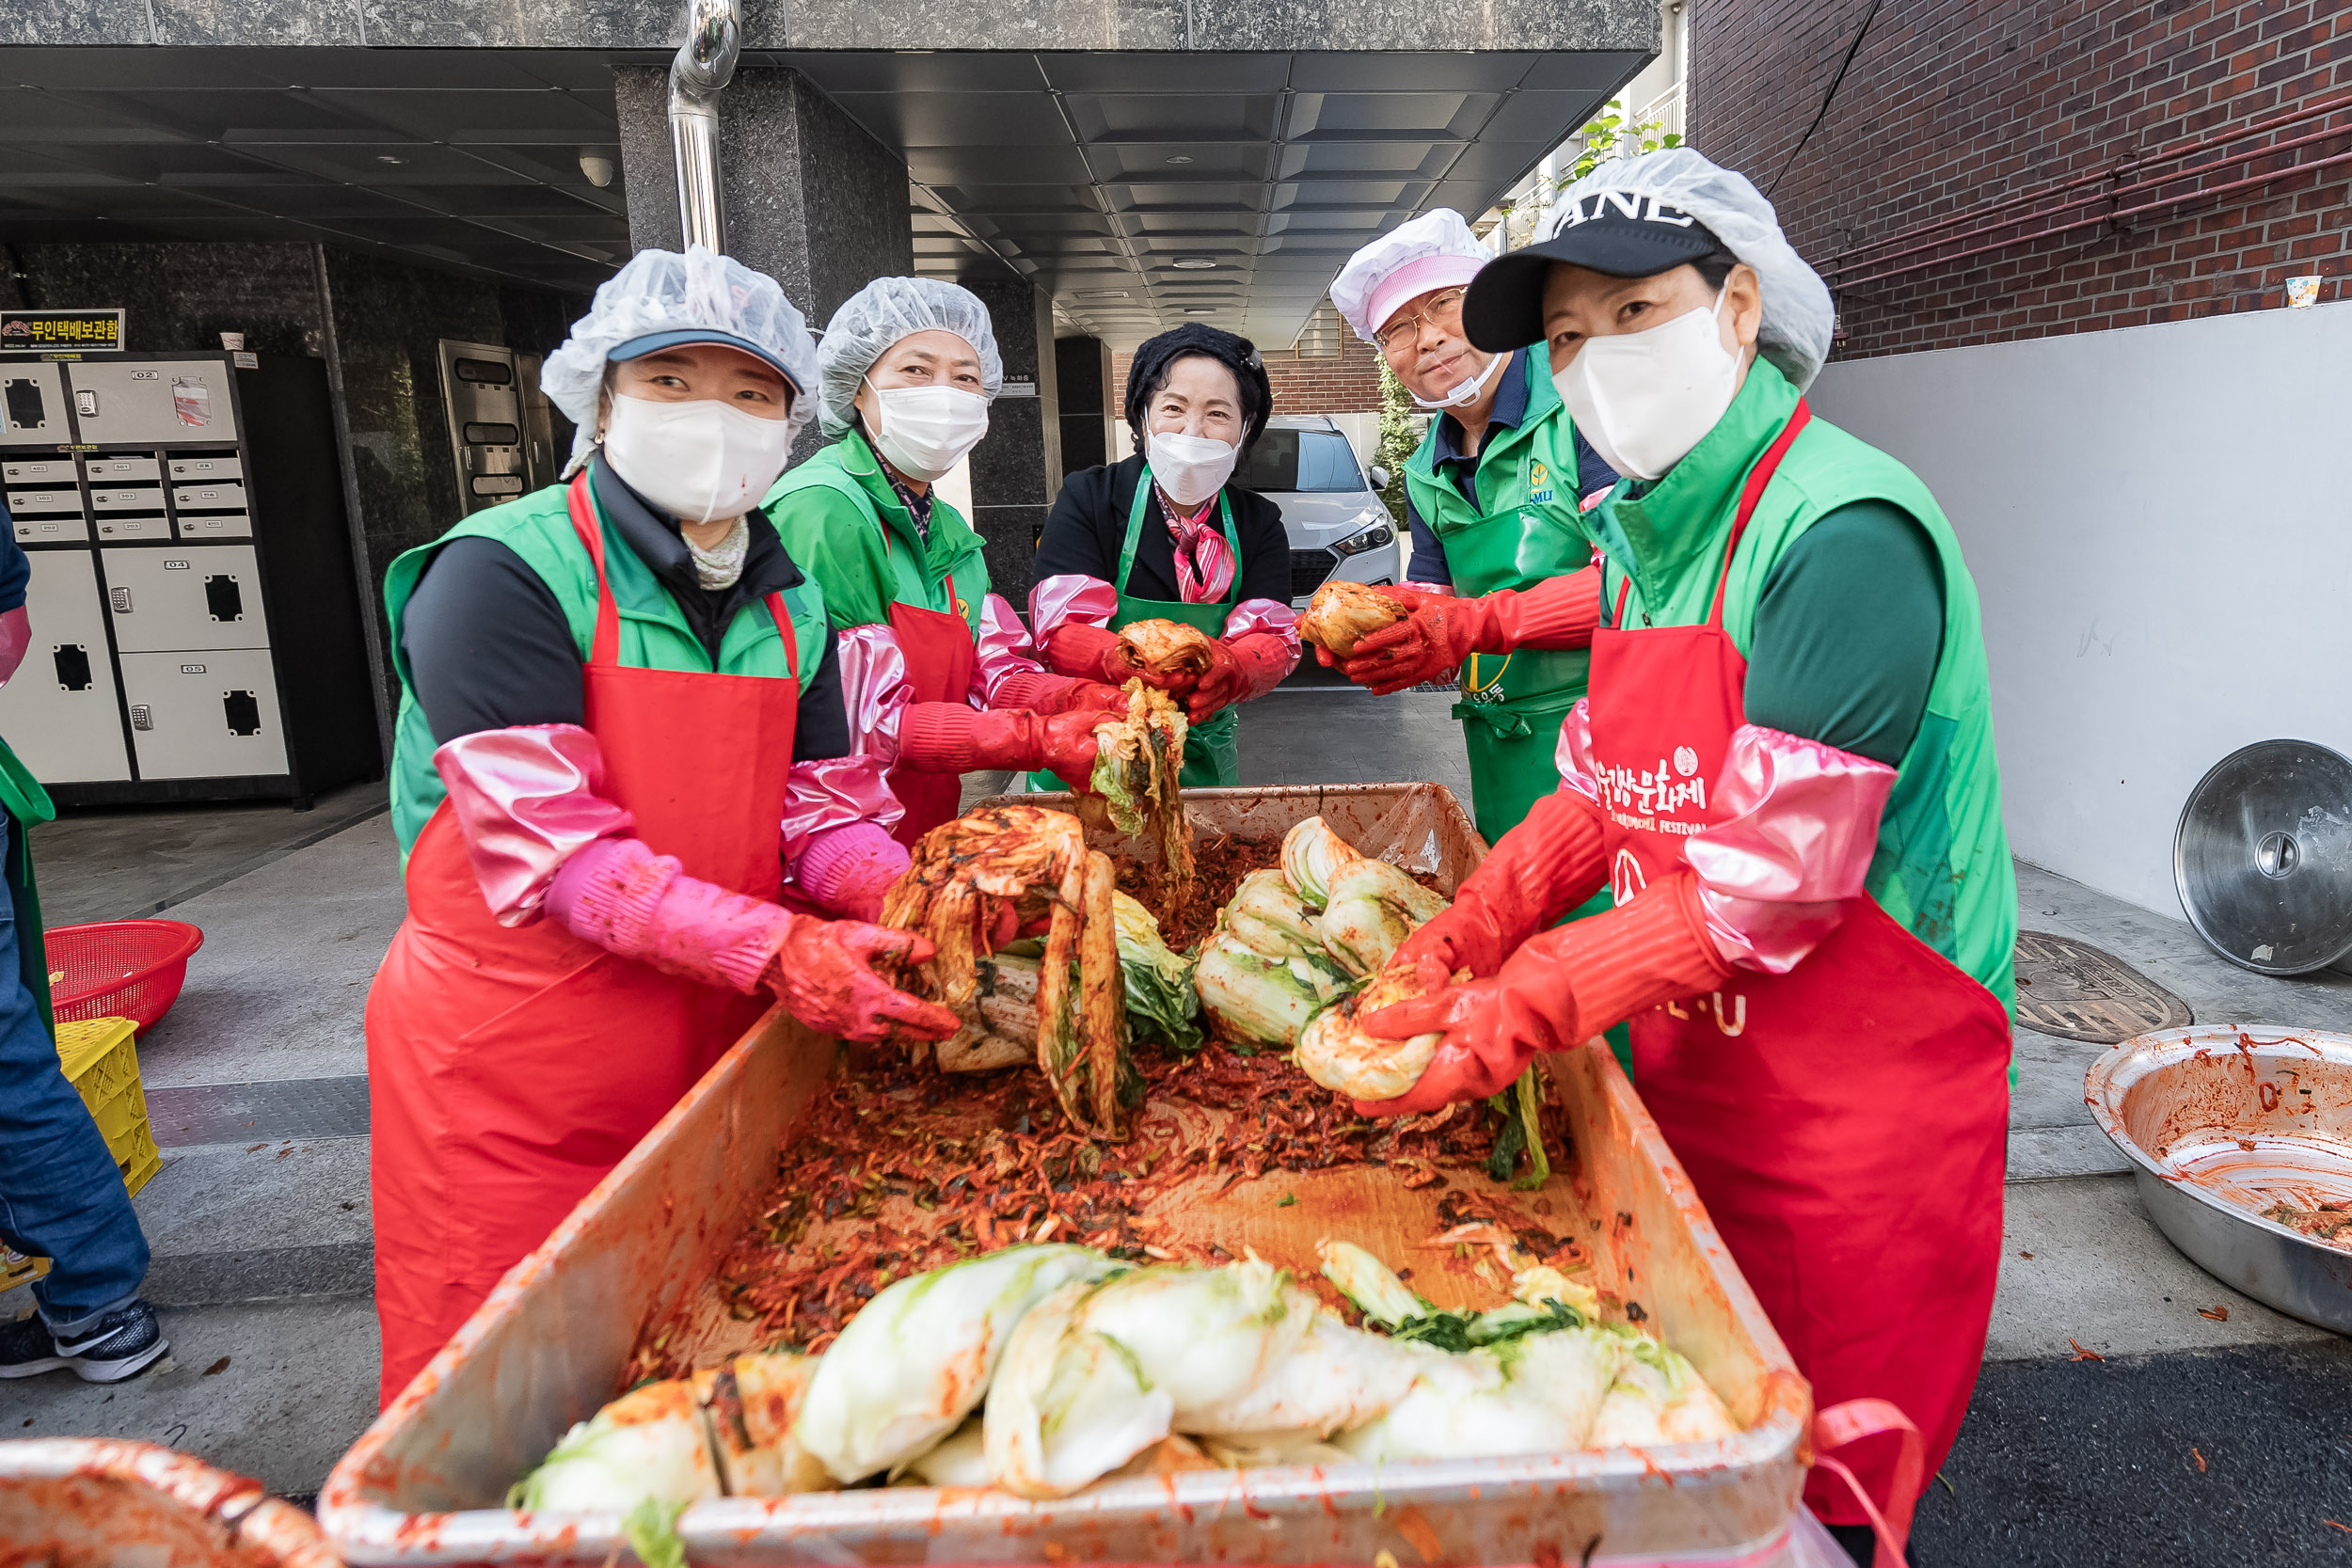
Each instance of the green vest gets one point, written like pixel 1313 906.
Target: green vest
pixel 1524 527
pixel 1943 869
pixel 844 527
pixel 654 632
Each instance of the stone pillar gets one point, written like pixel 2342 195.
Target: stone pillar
pixel 1083 379
pixel 1016 470
pixel 811 199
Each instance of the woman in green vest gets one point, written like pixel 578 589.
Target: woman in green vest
pixel 1504 589
pixel 1785 775
pixel 60 1195
pixel 935 668
pixel 1165 535
pixel 624 792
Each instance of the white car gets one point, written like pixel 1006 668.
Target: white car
pixel 1331 509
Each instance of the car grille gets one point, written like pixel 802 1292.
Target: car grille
pixel 1308 570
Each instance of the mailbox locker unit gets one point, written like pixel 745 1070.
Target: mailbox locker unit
pixel 195 615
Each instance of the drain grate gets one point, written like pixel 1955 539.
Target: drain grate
pixel 2071 990
pixel 254 1113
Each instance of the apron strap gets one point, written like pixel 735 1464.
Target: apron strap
pixel 1753 492
pixel 1135 534
pixel 783 629
pixel 605 648
pixel 1625 590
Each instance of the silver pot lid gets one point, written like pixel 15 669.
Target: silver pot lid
pixel 2263 857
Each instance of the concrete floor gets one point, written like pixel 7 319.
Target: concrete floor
pixel 260 1223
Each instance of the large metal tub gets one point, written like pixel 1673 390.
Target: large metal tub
pixel 102 1502
pixel 2219 1123
pixel 423 1484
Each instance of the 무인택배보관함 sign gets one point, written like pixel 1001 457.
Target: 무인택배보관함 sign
pixel 61 331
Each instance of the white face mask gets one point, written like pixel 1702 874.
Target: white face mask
pixel 927 430
pixel 1190 468
pixel 1643 399
pixel 1467 392
pixel 697 460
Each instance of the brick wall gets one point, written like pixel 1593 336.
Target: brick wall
pixel 1347 384
pixel 1953 103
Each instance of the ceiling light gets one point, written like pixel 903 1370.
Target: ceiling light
pixel 388 158
pixel 1194 263
pixel 1199 309
pixel 1178 158
pixel 595 167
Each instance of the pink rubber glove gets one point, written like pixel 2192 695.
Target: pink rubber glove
pixel 848 870
pixel 16 636
pixel 617 894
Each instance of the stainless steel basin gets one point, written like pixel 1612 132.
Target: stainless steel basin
pixel 2225 1123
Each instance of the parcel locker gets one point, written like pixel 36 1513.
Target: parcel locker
pixel 196 597
pixel 153 401
pixel 206 714
pixel 59 713
pixel 198 500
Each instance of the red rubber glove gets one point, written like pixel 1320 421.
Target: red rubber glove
pixel 1558 991
pixel 1558 612
pixel 949 738
pixel 1092 652
pixel 1543 868
pixel 1040 692
pixel 1240 671
pixel 824 971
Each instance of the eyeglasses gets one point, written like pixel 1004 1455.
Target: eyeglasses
pixel 1443 311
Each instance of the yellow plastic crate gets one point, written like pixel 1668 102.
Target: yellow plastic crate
pixel 101 1059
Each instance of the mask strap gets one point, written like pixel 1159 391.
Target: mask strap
pixel 1456 398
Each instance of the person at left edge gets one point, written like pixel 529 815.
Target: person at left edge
pixel 1166 535
pixel 60 1195
pixel 1505 587
pixel 620 733
pixel 933 665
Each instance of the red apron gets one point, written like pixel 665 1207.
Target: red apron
pixel 509 1069
pixel 1845 1123
pixel 938 650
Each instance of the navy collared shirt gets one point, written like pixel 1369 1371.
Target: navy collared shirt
pixel 1448 460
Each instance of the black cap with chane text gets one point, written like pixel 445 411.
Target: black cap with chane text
pixel 1623 233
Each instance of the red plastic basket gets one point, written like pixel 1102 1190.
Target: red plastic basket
pixel 129 969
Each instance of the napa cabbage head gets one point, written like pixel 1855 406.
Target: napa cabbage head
pixel 644 1456
pixel 1255 1000
pixel 919 1357
pixel 1161 1003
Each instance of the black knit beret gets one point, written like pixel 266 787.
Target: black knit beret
pixel 1149 373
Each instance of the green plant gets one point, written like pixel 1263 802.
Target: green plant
pixel 1398 439
pixel 1609 136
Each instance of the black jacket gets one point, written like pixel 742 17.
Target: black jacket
pixel 1088 522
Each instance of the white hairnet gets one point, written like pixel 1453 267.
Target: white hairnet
pixel 1799 316
pixel 660 290
pixel 876 316
pixel 1437 250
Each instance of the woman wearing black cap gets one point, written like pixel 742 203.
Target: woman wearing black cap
pixel 1165 535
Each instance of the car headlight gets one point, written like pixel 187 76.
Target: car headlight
pixel 1370 538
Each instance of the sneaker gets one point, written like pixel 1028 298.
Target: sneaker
pixel 124 1343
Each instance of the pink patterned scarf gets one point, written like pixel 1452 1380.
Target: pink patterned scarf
pixel 1205 566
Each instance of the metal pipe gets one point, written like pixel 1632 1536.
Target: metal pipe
pixel 704 66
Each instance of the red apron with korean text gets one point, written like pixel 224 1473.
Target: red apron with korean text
pixel 510 1069
pixel 938 650
pixel 1844 1123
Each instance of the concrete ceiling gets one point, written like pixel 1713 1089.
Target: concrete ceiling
pixel 1141 189
pixel 1145 189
